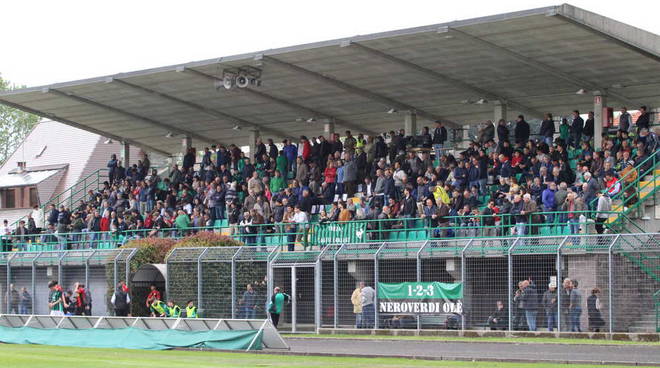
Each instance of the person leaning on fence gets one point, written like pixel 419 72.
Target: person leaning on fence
pixel 276 305
pixel 356 299
pixel 530 300
pixel 499 319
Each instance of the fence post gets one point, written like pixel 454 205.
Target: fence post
pixel 335 281
pixel 463 274
pixel 419 276
pixel 59 267
pixel 9 282
pixel 233 283
pixel 610 259
pixel 376 277
pixel 560 284
pixel 34 280
pixel 318 288
pixel 510 280
pixel 167 268
pixel 199 278
pixel 294 297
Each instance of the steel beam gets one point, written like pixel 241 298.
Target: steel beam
pixel 158 124
pixel 545 68
pixel 84 127
pixel 195 106
pixel 292 105
pixel 443 78
pixel 386 101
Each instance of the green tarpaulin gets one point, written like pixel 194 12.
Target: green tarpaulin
pixel 132 338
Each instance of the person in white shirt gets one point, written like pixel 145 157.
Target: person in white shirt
pixel 301 218
pixel 38 216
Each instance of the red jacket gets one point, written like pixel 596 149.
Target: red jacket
pixel 307 150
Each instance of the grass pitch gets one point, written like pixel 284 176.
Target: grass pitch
pixel 33 356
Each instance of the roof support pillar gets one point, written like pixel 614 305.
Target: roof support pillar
pixel 410 123
pixel 500 111
pixel 252 138
pixel 600 102
pixel 329 129
pixel 186 144
pixel 125 154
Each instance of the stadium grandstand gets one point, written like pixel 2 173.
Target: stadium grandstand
pixel 516 156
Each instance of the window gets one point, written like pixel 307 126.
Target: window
pixel 34 197
pixel 9 198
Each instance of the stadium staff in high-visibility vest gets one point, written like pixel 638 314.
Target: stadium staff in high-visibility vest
pixel 158 308
pixel 191 310
pixel 173 310
pixel 277 304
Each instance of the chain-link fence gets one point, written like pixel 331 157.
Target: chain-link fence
pixel 24 278
pixel 561 283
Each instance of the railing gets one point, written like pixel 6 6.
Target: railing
pixel 319 234
pixel 656 301
pixel 645 168
pixel 74 193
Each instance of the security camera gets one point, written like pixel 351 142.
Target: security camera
pixel 228 81
pixel 242 81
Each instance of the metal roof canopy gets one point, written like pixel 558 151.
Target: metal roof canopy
pixel 534 60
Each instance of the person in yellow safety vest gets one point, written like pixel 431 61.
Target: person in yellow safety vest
pixel 191 310
pixel 158 308
pixel 172 311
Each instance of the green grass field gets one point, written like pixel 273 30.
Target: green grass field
pixel 516 340
pixel 33 356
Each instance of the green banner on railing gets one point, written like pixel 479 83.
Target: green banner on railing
pixel 339 233
pixel 420 297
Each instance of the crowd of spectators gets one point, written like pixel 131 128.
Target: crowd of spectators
pixel 499 177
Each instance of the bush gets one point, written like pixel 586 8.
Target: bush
pixel 204 239
pixel 149 250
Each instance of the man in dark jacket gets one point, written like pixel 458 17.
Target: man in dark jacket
pixel 577 126
pixel 521 132
pixel 588 131
pixel 547 129
pixel 502 131
pixel 439 138
pixel 643 120
pixel 530 301
pixel 499 319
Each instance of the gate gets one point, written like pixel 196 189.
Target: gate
pixel 295 273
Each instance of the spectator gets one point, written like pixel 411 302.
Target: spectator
pixel 498 320
pixel 643 120
pixel 575 307
pixel 577 126
pixel 596 321
pixel 522 131
pixel 547 131
pixel 368 308
pixel 14 300
pixel 356 300
pixel 248 303
pixel 549 303
pixel 530 303
pixel 603 210
pixel 25 303
pixel 625 120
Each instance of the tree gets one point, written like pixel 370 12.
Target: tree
pixel 14 124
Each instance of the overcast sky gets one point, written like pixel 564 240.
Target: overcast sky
pixel 45 42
